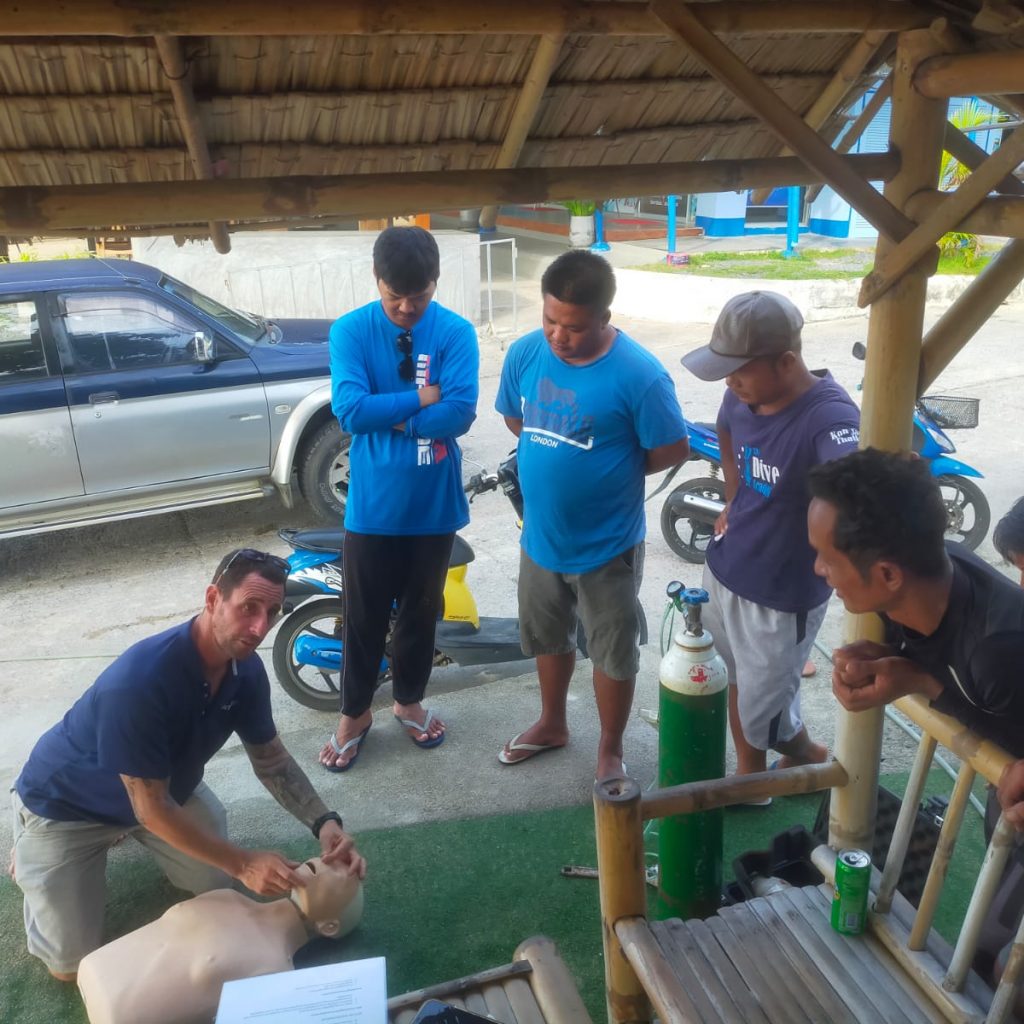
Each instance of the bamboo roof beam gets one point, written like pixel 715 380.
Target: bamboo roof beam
pixel 970 312
pixel 545 60
pixel 682 22
pixel 922 239
pixel 856 130
pixel 995 73
pixel 33 210
pixel 457 17
pixel 838 88
pixel 178 73
pixel 971 155
pixel 1002 216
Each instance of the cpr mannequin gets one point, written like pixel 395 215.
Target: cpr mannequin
pixel 171 971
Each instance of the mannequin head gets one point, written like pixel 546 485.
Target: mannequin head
pixel 331 901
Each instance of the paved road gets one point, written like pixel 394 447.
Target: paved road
pixel 72 601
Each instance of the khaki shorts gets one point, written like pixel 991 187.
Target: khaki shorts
pixel 60 866
pixel 551 604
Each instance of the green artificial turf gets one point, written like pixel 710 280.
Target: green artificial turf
pixel 450 898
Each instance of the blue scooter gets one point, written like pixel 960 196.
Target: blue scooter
pixel 689 513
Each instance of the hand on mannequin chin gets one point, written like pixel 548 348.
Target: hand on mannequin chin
pixel 171 971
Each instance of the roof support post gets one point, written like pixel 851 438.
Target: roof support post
pixel 682 22
pixel 969 313
pixel 856 130
pixel 838 88
pixel 971 155
pixel 890 381
pixel 1002 215
pixel 179 80
pixel 545 60
pixel 970 194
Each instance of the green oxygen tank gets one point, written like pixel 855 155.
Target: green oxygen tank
pixel 692 717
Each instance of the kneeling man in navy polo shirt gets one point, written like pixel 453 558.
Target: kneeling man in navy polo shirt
pixel 129 758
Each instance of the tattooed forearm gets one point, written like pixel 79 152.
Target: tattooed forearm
pixel 286 781
pixel 146 795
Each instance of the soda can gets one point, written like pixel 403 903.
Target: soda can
pixel 850 903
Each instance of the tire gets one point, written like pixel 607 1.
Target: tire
pixel 312 687
pixel 324 472
pixel 689 538
pixel 967 512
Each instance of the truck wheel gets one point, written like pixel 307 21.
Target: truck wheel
pixel 324 472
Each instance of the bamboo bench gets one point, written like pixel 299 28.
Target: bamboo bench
pixel 536 988
pixel 775 958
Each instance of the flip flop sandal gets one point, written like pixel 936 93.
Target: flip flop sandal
pixel 528 749
pixel 356 742
pixel 430 741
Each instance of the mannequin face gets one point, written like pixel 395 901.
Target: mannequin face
pixel 331 901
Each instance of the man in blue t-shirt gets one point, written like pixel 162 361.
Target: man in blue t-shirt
pixel 404 376
pixel 594 413
pixel 129 756
pixel 777 421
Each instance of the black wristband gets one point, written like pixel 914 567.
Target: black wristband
pixel 323 819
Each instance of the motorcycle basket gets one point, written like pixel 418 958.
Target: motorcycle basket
pixel 951 412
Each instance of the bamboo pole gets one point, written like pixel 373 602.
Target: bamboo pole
pixel 672 1003
pixel 992 72
pixel 987 759
pixel 971 155
pixel 921 241
pixel 1009 984
pixel 723 64
pixel 545 60
pixel 905 824
pixel 179 80
pixel 456 17
pixel 996 856
pixel 890 381
pixel 553 986
pixel 856 130
pixel 940 860
pixel 970 312
pixel 835 92
pixel 32 210
pixel 622 883
pixel 447 989
pixel 737 789
pixel 1002 216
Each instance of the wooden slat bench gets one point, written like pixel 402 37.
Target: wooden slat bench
pixel 776 958
pixel 536 988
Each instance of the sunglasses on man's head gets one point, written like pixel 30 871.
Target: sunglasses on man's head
pixel 405 368
pixel 256 558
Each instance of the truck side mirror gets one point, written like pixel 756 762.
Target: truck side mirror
pixel 201 348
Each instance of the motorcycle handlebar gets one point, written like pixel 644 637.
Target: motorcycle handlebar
pixel 481 482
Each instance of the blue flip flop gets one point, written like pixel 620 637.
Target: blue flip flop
pixel 356 742
pixel 429 742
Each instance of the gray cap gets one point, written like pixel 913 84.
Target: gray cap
pixel 750 325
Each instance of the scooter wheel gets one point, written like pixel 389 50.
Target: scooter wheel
pixel 967 513
pixel 689 538
pixel 313 687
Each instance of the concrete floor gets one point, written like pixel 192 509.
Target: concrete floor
pixel 72 601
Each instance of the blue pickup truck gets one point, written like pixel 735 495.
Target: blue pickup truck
pixel 124 392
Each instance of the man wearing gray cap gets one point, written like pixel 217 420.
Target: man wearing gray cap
pixel 777 420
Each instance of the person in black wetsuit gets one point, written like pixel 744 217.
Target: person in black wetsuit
pixel 954 625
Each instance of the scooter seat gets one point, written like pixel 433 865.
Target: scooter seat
pixel 711 428
pixel 333 540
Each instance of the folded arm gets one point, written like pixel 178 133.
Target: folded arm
pixel 454 414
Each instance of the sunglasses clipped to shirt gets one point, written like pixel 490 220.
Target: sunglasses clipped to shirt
pixel 255 558
pixel 406 370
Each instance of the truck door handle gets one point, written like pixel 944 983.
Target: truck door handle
pixel 104 398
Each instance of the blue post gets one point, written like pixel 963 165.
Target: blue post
pixel 792 220
pixel 671 229
pixel 600 245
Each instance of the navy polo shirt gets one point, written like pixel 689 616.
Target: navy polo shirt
pixel 148 715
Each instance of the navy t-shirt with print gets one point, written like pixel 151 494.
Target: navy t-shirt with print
pixel 765 556
pixel 582 450
pixel 148 715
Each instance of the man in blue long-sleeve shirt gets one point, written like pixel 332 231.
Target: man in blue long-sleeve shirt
pixel 404 373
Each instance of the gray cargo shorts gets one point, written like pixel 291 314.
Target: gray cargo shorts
pixel 605 600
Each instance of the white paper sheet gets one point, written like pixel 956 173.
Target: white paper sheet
pixel 349 993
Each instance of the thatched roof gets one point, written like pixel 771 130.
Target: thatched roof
pixel 99 110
